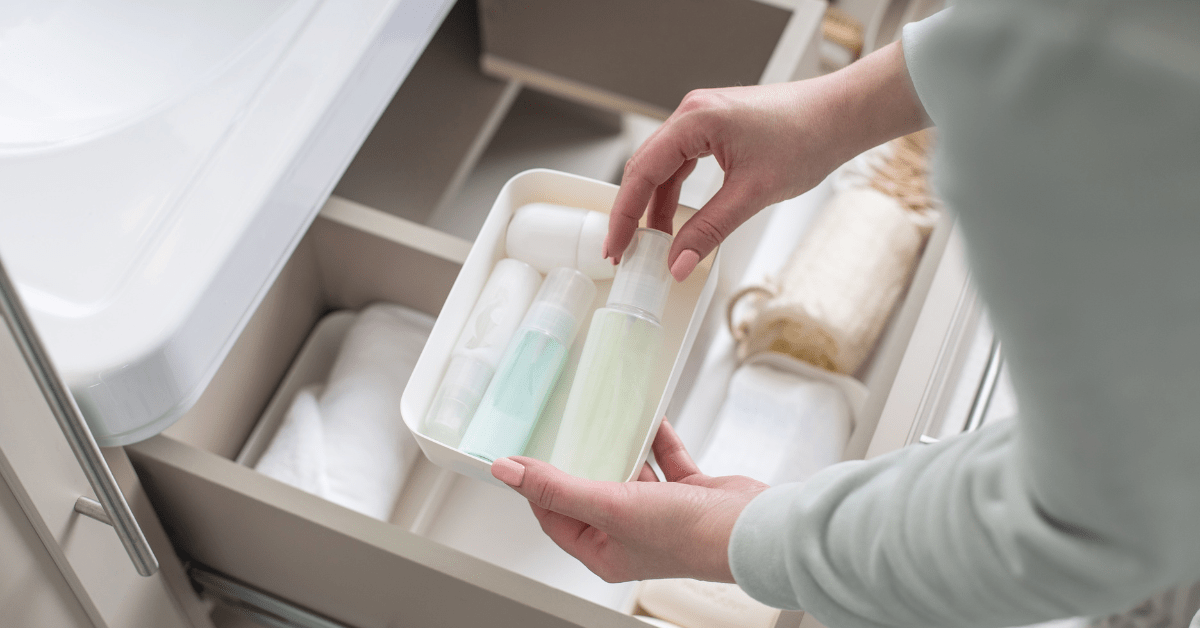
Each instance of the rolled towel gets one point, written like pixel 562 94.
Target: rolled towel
pixel 829 303
pixel 349 444
pixel 296 454
pixel 777 426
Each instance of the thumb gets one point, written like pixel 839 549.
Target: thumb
pixel 592 502
pixel 724 212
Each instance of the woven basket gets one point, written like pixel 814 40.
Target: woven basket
pixel 831 300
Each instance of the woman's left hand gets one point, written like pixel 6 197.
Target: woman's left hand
pixel 638 530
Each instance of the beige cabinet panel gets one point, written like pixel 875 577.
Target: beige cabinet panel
pixel 33 592
pixel 47 479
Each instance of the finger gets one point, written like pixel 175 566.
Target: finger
pixel 589 501
pixel 666 199
pixel 729 207
pixel 647 474
pixel 656 161
pixel 673 458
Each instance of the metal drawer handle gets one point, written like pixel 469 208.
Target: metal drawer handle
pixel 987 387
pixel 66 412
pixel 983 394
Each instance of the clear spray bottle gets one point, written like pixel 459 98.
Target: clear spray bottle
pixel 530 367
pixel 606 415
pixel 491 324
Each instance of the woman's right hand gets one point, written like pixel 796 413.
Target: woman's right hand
pixel 774 142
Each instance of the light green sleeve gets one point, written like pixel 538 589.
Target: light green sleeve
pixel 1069 146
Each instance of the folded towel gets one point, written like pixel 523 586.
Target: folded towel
pixel 777 427
pixel 345 441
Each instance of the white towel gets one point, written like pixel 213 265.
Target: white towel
pixel 777 427
pixel 346 441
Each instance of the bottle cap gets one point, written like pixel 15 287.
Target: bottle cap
pixel 643 279
pixel 457 398
pixel 548 236
pixel 589 256
pixel 561 305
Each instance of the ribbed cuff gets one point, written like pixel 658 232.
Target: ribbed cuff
pixel 914 41
pixel 759 547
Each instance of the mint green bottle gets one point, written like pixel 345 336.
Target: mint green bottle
pixel 530 367
pixel 607 413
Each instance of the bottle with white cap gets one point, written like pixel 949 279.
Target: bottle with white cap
pixel 547 236
pixel 607 416
pixel 501 306
pixel 530 367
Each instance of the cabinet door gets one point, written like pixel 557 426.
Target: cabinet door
pixel 33 592
pixel 44 479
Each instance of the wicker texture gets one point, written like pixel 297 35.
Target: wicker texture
pixel 833 297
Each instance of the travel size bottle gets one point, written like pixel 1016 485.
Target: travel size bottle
pixel 501 307
pixel 606 416
pixel 548 236
pixel 530 367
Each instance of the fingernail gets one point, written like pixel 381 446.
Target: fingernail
pixel 508 471
pixel 684 264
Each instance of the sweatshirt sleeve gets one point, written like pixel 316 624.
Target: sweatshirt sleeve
pixel 913 39
pixel 1068 147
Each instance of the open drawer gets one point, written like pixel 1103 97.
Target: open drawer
pixel 457 551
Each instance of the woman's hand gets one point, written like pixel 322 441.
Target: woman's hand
pixel 774 142
pixel 638 530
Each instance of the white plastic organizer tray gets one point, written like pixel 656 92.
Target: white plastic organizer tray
pixel 686 306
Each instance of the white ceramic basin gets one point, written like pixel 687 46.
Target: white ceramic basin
pixel 74 69
pixel 158 162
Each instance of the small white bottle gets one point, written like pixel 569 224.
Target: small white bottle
pixel 501 306
pixel 530 368
pixel 606 416
pixel 548 236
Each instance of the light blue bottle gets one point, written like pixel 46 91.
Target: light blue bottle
pixel 530 367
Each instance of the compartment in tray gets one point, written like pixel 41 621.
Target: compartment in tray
pixel 782 227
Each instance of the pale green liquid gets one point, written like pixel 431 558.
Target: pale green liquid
pixel 515 397
pixel 606 417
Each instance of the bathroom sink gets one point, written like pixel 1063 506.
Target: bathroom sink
pixel 160 160
pixel 71 70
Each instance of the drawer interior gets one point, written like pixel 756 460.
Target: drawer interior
pixel 251 527
pixel 478 540
pixel 451 137
pixel 755 253
pixel 646 54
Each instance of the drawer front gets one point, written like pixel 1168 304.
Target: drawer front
pixel 927 361
pixel 335 562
